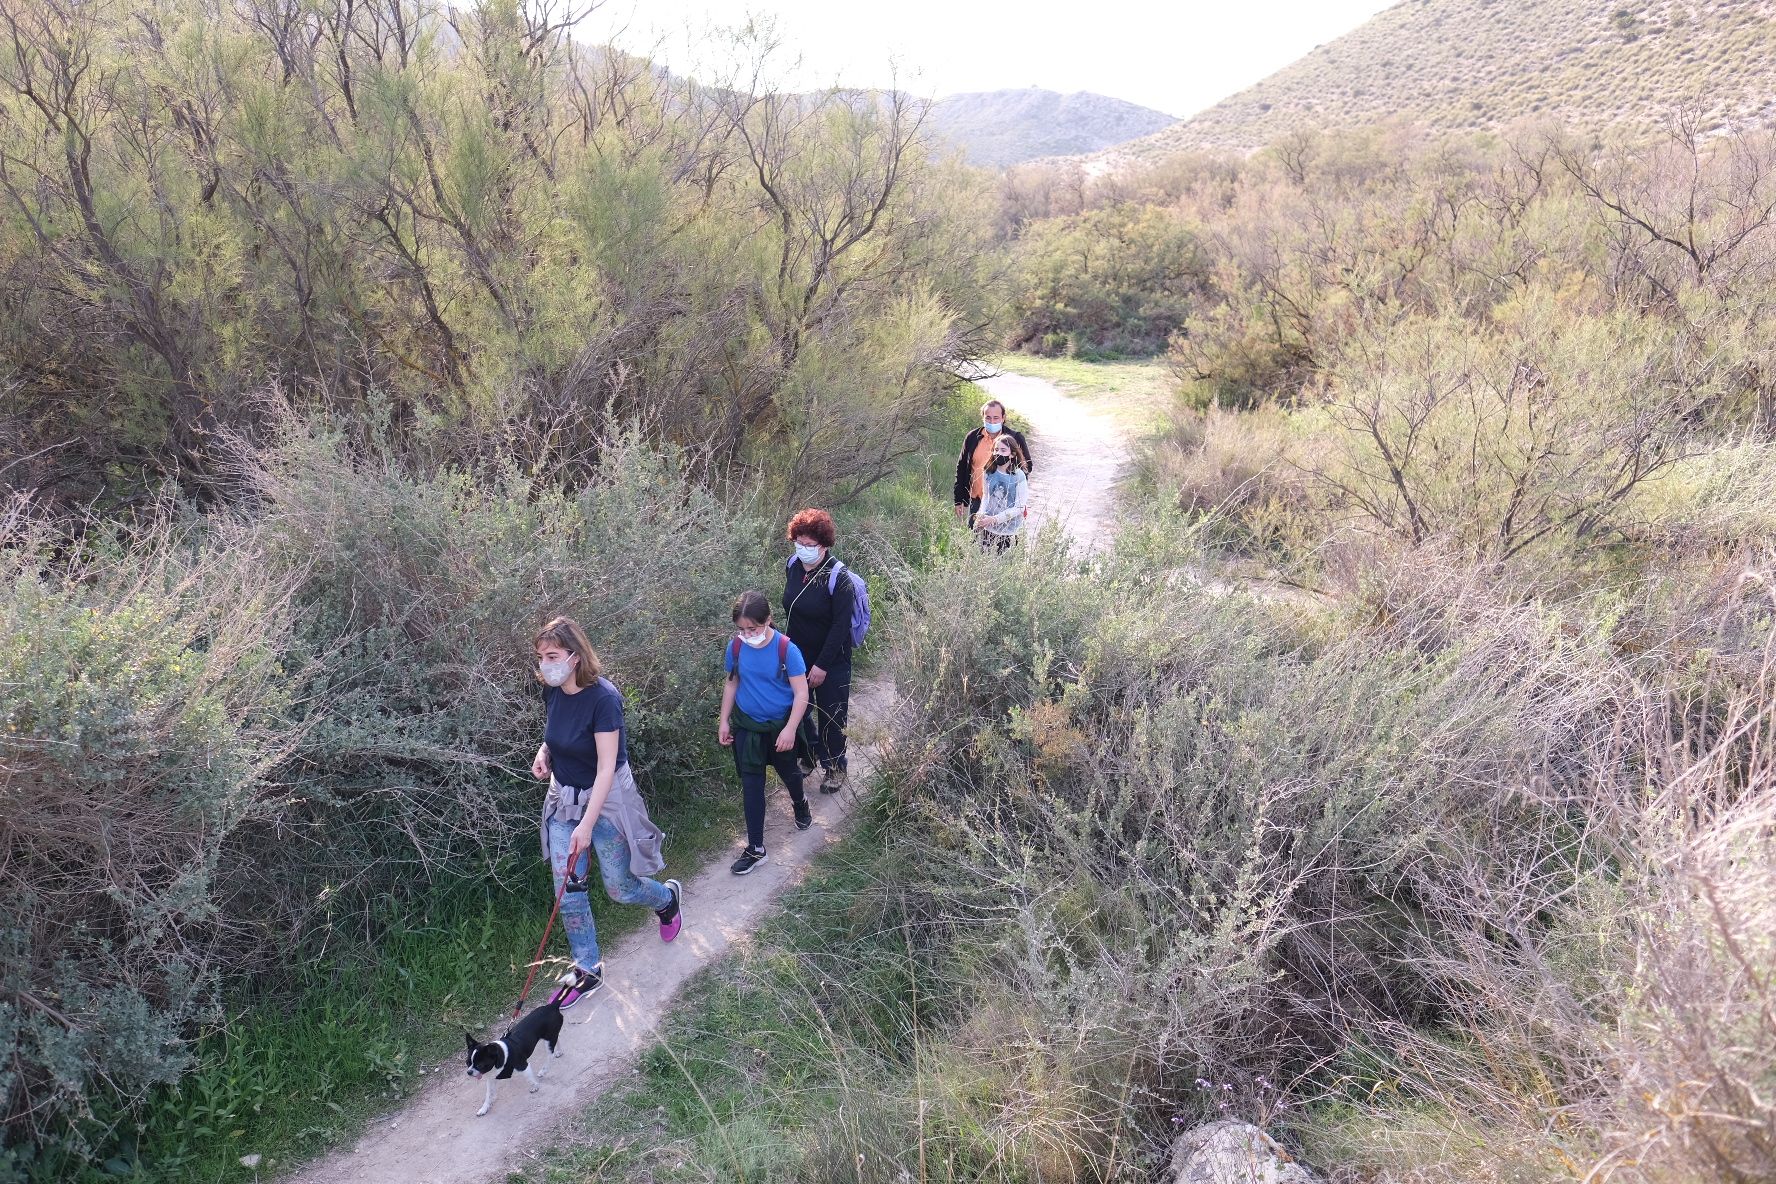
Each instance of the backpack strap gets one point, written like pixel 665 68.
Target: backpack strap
pixel 782 655
pixel 832 578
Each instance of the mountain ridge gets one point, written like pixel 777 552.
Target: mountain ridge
pixel 998 128
pixel 1478 65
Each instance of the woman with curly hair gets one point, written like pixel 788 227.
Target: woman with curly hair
pixel 818 598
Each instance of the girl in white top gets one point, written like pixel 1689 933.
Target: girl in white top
pixel 1005 496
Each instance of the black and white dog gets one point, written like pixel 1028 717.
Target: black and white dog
pixel 496 1059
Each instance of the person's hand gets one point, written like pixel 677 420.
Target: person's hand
pixel 961 513
pixel 724 733
pixel 579 843
pixel 816 676
pixel 540 766
pixel 786 740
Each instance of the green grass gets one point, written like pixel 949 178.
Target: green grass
pixel 1139 385
pixel 286 1081
pixel 767 1053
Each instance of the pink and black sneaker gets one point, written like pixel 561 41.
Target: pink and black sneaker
pixel 671 919
pixel 576 984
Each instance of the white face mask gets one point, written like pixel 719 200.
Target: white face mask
pixel 756 640
pixel 556 673
pixel 808 555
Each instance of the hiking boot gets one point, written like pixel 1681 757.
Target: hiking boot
pixel 671 920
pixel 804 815
pixel 576 984
pixel 835 779
pixel 750 858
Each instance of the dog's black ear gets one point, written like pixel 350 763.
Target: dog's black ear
pixel 471 1041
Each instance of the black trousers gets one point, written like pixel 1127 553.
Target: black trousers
pixel 822 737
pixel 752 787
pixel 973 509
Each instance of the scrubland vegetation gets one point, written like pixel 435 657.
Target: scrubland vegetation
pixel 343 344
pixel 1401 781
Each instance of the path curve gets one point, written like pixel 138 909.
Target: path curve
pixel 435 1137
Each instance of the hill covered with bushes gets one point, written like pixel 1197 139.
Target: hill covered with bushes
pixel 1464 65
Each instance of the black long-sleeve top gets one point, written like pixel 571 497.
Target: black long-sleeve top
pixel 818 621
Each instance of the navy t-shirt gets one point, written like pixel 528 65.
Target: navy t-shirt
pixel 571 723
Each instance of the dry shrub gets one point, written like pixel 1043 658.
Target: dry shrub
pixel 1241 473
pixel 1610 1005
pixel 1454 862
pixel 149 681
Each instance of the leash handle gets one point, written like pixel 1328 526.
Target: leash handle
pixel 538 960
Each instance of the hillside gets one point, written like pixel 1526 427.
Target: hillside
pixel 1457 65
pixel 1005 127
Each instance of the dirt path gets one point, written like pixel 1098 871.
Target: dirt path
pixel 1080 454
pixel 436 1138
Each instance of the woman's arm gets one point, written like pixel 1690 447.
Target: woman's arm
pixel 723 729
pixel 601 787
pixel 787 737
pixel 540 766
pixel 838 633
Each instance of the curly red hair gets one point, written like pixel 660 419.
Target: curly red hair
pixel 813 524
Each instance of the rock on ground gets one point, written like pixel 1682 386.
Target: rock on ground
pixel 1231 1152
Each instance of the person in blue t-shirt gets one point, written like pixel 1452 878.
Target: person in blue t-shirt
pixel 764 698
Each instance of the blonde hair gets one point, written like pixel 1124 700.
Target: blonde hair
pixel 566 633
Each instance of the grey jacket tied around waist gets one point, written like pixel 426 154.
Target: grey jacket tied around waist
pixel 624 809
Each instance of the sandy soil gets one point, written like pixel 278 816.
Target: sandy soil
pixel 436 1139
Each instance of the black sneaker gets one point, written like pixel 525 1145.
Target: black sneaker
pixel 834 780
pixel 576 984
pixel 803 815
pixel 750 858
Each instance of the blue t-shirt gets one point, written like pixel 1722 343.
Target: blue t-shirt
pixel 762 694
pixel 571 723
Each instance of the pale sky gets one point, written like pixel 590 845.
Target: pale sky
pixel 1178 56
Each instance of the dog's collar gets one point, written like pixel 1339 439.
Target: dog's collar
pixel 505 1053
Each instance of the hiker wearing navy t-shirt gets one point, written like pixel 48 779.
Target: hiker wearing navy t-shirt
pixel 817 604
pixel 593 805
pixel 764 698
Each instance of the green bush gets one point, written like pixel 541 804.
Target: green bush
pixel 1111 281
pixel 227 735
pixel 150 689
